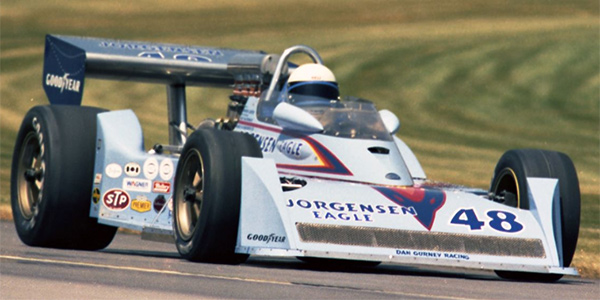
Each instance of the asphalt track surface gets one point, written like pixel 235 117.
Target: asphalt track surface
pixel 131 268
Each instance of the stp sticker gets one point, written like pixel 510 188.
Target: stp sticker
pixel 113 170
pixel 116 200
pixel 132 169
pixel 166 169
pixel 151 168
pixel 161 187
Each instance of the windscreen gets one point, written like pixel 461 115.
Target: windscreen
pixel 350 118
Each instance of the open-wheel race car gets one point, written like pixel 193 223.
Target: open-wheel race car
pixel 293 170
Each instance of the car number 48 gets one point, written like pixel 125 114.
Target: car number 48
pixel 499 220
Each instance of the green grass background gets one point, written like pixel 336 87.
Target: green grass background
pixel 468 79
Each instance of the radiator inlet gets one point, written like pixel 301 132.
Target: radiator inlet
pixel 419 240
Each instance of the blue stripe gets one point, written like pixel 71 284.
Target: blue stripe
pixel 295 85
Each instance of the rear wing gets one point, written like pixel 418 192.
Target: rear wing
pixel 69 60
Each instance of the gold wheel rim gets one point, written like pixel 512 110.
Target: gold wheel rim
pixel 30 181
pixel 508 181
pixel 190 194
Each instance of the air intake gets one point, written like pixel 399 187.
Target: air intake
pixel 379 150
pixel 418 240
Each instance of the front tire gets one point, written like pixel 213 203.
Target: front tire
pixel 510 184
pixel 52 176
pixel 207 195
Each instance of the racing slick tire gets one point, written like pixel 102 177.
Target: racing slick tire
pixel 510 181
pixel 51 179
pixel 207 195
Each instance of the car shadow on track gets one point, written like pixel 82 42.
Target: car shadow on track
pixel 390 269
pixel 145 253
pixel 162 250
pixel 362 267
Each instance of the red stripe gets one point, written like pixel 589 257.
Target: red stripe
pixel 341 169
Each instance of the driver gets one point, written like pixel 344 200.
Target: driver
pixel 309 82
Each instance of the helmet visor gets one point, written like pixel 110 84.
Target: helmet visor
pixel 324 89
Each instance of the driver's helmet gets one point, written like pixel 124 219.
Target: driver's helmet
pixel 313 80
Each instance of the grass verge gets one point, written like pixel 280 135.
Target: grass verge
pixel 469 79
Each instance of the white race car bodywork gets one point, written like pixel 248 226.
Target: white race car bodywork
pixel 343 209
pixel 355 221
pixel 313 193
pixel 346 211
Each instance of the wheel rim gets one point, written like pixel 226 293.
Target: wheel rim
pixel 189 195
pixel 507 184
pixel 31 171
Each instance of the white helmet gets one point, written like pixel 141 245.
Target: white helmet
pixel 313 80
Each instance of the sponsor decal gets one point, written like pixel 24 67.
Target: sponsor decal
pixel 266 238
pixel 266 143
pixel 432 254
pixel 348 211
pixel 96 195
pixel 166 169
pixel 98 178
pixel 113 170
pixel 189 57
pixel 132 169
pixel 161 187
pixel 151 168
pixel 63 82
pixel 294 148
pixel 248 116
pixel 141 204
pixel 328 163
pixel 116 200
pixel 151 55
pixel 159 203
pixel 137 185
pixel 426 202
pixel 64 69
pixel 146 47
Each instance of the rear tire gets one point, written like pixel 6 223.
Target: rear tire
pixel 510 180
pixel 51 179
pixel 207 195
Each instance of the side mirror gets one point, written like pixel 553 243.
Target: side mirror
pixel 293 118
pixel 391 122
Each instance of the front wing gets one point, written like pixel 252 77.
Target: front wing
pixel 407 225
